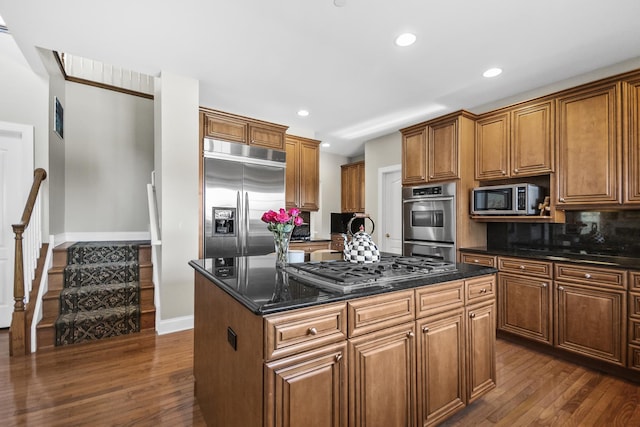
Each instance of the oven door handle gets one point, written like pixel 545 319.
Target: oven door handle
pixel 434 199
pixel 430 244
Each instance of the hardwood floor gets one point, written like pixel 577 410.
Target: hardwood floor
pixel 146 380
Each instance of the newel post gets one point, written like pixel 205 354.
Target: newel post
pixel 17 332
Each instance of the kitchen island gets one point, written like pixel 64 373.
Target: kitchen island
pixel 271 349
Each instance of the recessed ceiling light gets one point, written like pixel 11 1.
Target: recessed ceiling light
pixel 326 144
pixel 492 72
pixel 339 3
pixel 406 39
pixel 303 113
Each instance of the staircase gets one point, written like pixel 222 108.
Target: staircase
pixel 97 290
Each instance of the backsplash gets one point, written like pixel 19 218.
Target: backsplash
pixel 608 233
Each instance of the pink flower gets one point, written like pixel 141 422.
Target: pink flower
pixel 294 212
pixel 282 217
pixel 297 220
pixel 269 216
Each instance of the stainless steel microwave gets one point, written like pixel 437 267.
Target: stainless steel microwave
pixel 513 199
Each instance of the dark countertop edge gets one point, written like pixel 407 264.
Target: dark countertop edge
pixel 311 241
pixel 465 271
pixel 592 260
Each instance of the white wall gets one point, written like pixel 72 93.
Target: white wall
pixel 380 152
pixel 24 100
pixel 108 138
pixel 176 156
pixel 330 190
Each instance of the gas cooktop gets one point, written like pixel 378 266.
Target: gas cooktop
pixel 346 276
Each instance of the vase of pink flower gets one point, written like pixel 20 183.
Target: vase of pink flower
pixel 281 224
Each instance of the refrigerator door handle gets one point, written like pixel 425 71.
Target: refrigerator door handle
pixel 238 229
pixel 246 220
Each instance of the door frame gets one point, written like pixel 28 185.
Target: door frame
pixel 384 172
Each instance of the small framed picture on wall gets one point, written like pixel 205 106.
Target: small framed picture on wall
pixel 58 117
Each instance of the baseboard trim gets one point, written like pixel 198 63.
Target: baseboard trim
pixel 175 324
pixel 105 236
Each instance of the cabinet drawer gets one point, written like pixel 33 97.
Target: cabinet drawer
pixel 634 281
pixel 374 313
pixel 590 275
pixel 525 266
pixel 634 304
pixel 297 331
pixel 309 247
pixel 634 357
pixel 480 289
pixel 438 298
pixel 634 331
pixel 486 260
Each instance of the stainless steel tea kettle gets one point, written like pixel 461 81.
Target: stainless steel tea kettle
pixel 361 249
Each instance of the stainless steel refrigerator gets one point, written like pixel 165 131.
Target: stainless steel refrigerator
pixel 241 182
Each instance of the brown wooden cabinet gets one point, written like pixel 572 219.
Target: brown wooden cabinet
pixel 478 259
pixel 243 130
pixel 307 386
pixel 302 176
pixel 633 355
pixel 517 142
pixel 631 136
pixel 382 378
pixel 414 156
pixel 481 348
pixel 589 164
pixel 352 182
pixel 590 305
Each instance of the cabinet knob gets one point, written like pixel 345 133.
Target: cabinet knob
pixel 503 172
pixel 472 315
pixel 410 334
pixel 425 329
pixel 561 288
pixel 476 260
pixel 338 357
pixel 544 285
pixel 313 331
pixel 516 170
pixel 587 276
pixel 562 199
pixel 483 291
pixel 431 176
pixel 522 267
pixel 387 235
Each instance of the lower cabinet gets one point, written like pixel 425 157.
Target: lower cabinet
pixel 441 366
pixel 382 378
pixel 481 344
pixel 307 389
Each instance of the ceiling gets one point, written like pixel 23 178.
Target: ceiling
pixel 268 59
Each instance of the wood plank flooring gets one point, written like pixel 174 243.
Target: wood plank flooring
pixel 146 380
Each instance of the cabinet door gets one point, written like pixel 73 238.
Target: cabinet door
pixel 308 389
pixel 345 182
pixel 442 154
pixel 360 192
pixel 591 321
pixel 224 128
pixel 492 147
pixel 532 140
pixel 292 191
pixel 266 136
pixel 440 366
pixel 382 378
pixel 631 134
pixel 309 175
pixel 588 147
pixel 481 350
pixel 524 307
pixel 414 157
pixel 353 187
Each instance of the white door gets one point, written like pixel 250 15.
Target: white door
pixel 390 209
pixel 16 174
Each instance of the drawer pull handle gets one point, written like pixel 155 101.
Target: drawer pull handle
pixel 587 276
pixel 425 329
pixel 483 290
pixel 472 315
pixel 313 331
pixel 338 357
pixel 410 334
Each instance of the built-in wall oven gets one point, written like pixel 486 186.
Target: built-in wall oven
pixel 429 221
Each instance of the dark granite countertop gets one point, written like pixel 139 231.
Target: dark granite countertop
pixel 559 255
pixel 255 282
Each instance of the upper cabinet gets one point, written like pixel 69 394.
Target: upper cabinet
pixel 631 134
pixel 302 176
pixel 431 150
pixel 352 180
pixel 589 145
pixel 516 142
pixel 243 130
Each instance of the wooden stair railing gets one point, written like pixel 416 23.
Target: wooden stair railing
pixel 19 332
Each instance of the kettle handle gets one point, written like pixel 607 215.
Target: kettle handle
pixel 360 215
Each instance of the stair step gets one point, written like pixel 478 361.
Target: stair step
pixel 97 297
pixel 98 252
pixel 72 328
pixel 100 273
